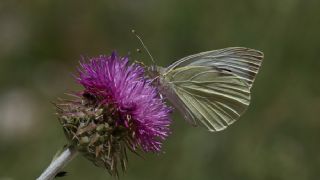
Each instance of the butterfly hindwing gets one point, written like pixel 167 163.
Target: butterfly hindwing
pixel 214 98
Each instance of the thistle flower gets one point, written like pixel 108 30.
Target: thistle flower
pixel 118 109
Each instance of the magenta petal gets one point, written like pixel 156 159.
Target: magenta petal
pixel 116 82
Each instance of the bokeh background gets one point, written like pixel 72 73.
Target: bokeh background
pixel 41 42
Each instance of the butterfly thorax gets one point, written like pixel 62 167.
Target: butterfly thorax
pixel 155 73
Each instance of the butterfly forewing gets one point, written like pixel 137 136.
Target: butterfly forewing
pixel 243 62
pixel 212 88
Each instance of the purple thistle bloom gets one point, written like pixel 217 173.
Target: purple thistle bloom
pixel 115 83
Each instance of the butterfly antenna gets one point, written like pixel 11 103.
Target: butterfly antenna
pixel 144 46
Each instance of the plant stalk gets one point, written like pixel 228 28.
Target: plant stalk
pixel 58 163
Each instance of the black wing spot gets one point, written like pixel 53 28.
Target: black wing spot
pixel 224 69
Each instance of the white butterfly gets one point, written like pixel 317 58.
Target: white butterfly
pixel 210 88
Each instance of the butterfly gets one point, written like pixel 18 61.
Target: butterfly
pixel 212 88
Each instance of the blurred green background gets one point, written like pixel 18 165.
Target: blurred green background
pixel 41 42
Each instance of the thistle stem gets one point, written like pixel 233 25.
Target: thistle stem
pixel 57 164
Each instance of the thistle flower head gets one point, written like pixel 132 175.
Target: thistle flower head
pixel 118 109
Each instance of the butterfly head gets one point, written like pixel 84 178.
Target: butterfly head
pixel 152 71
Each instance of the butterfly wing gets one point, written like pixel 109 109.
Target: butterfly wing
pixel 212 88
pixel 243 62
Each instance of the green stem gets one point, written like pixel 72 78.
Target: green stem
pixel 58 163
